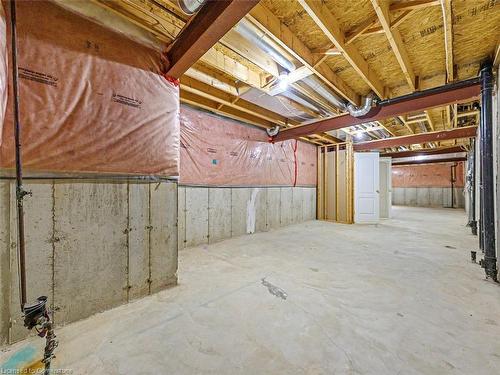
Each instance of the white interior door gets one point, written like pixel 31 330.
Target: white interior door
pixel 385 180
pixel 366 187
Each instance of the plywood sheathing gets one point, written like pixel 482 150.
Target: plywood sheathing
pixel 474 37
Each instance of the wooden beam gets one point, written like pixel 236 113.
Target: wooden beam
pixel 403 16
pixel 430 161
pixel 205 90
pixel 218 60
pixel 360 29
pixel 464 132
pixel 438 97
pixel 209 79
pixel 413 4
pixel 331 27
pixel 242 46
pixel 431 151
pixel 448 38
pixel 213 106
pixel 496 58
pixel 282 35
pixel 380 123
pixel 205 29
pixel 395 40
pixel 429 120
pixel 225 100
pixel 406 124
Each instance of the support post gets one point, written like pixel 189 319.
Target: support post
pixel 473 222
pixel 488 185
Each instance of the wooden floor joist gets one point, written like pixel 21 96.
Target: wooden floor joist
pixel 465 132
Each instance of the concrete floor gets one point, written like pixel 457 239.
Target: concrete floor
pixel 400 297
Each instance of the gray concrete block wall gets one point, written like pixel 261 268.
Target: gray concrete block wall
pixel 427 197
pixel 91 245
pixel 237 211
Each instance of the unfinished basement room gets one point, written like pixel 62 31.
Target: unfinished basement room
pixel 249 187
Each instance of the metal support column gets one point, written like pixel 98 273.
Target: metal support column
pixel 488 185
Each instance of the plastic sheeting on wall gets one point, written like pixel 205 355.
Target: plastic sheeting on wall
pixel 91 100
pixel 3 68
pixel 221 152
pixel 427 175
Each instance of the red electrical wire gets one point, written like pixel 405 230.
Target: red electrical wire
pixel 295 162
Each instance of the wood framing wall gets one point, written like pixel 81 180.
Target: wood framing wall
pixel 335 183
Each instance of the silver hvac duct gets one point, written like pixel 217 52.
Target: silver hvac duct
pixel 190 7
pixel 299 98
pixel 257 38
pixel 317 86
pixel 364 109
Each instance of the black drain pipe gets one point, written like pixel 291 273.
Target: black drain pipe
pixel 488 185
pixel 473 223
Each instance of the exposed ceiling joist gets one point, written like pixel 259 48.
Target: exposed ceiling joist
pixel 431 161
pixel 327 22
pixel 231 112
pixel 432 151
pixel 244 47
pixel 496 58
pixel 458 133
pixel 386 128
pixel 412 4
pixel 212 105
pixel 223 63
pixel 205 29
pixel 372 24
pixel 420 101
pixel 225 100
pixel 395 40
pixel 448 38
pixel 282 35
pixel 429 121
pixel 210 92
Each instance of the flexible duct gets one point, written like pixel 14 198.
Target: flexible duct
pixel 257 38
pixel 273 132
pixel 364 109
pixel 190 7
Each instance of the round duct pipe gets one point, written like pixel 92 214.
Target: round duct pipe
pixel 249 33
pixel 317 86
pixel 190 7
pixel 364 109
